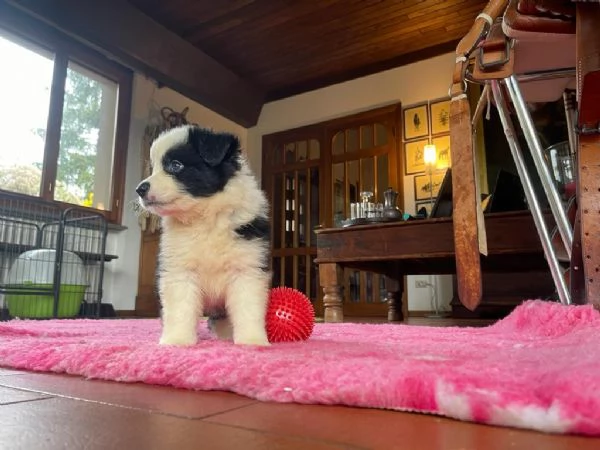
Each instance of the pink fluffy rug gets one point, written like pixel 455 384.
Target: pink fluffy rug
pixel 539 368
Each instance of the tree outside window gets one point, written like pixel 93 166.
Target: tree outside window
pixel 71 159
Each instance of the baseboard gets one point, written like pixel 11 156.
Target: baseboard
pixel 125 313
pixel 419 313
pixel 86 310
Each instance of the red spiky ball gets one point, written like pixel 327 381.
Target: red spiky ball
pixel 290 315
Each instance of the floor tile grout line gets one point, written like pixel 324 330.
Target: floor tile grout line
pixel 16 402
pixel 308 440
pixel 302 438
pixel 13 374
pixel 202 418
pixel 135 408
pixel 225 411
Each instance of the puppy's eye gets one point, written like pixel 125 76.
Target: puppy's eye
pixel 174 166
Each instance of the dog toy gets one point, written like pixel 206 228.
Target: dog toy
pixel 290 315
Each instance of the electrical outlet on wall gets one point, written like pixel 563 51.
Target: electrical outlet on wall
pixel 421 284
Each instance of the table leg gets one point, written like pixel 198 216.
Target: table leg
pixel 394 285
pixel 332 300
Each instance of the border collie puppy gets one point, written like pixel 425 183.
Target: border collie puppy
pixel 214 247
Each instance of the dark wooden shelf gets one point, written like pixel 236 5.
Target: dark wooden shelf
pixel 427 246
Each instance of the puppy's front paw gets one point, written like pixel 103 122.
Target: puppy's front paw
pixel 179 339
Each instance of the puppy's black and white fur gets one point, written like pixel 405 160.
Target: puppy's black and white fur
pixel 215 236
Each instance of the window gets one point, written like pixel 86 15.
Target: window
pixel 63 123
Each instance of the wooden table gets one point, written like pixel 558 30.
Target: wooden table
pixel 418 247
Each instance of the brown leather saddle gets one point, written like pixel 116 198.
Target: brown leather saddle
pixel 519 37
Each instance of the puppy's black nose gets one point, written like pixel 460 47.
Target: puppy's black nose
pixel 142 189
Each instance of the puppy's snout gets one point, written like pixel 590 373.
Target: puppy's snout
pixel 142 189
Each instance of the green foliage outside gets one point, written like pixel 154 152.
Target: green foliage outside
pixel 78 140
pixel 27 180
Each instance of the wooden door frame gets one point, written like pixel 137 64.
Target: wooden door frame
pixel 324 132
pixel 395 161
pixel 270 170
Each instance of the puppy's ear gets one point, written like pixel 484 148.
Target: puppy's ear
pixel 212 147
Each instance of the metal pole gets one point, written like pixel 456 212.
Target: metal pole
pixel 558 211
pixel 554 74
pixel 568 101
pixel 536 211
pixel 543 75
pixel 482 103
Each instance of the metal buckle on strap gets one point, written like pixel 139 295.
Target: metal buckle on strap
pixel 587 129
pixel 497 63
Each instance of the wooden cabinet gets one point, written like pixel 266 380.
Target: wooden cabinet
pixel 147 302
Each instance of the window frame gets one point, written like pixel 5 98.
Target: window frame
pixel 65 50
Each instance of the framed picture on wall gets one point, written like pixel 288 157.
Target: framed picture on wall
pixel 442 151
pixel 422 189
pixel 416 121
pixel 439 113
pixel 414 161
pixel 427 205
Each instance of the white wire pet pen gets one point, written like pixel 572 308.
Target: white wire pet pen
pixel 51 261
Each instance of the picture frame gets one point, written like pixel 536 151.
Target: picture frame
pixel 421 183
pixel 414 161
pixel 425 204
pixel 415 121
pixel 439 115
pixel 443 153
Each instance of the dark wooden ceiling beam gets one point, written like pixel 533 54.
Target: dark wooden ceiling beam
pixel 124 33
pixel 197 14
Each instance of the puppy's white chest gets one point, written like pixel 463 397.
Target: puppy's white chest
pixel 206 253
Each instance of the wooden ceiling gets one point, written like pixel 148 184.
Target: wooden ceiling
pixel 286 47
pixel 234 55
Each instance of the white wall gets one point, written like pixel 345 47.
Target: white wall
pixel 121 275
pixel 414 83
pixel 409 84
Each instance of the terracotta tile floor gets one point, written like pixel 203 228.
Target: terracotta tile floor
pixel 47 411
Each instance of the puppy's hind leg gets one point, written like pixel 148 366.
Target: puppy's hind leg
pixel 247 299
pixel 181 309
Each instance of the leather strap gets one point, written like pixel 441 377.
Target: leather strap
pixel 589 204
pixel 588 65
pixel 471 40
pixel 588 157
pixel 495 56
pixel 469 230
pixel 576 275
